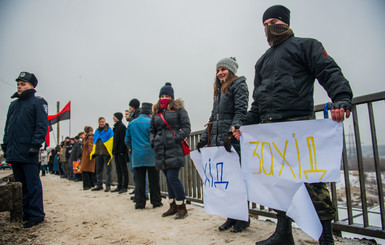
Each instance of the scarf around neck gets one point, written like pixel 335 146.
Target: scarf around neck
pixel 277 33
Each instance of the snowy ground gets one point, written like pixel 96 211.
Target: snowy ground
pixel 74 216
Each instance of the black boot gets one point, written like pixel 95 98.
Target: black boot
pixel 327 235
pixel 228 224
pixel 282 234
pixel 240 225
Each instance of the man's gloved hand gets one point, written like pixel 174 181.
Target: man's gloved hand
pixel 339 108
pixel 344 103
pixel 227 143
pixel 32 151
pixel 200 145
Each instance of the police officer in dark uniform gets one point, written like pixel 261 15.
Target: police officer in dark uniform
pixel 25 130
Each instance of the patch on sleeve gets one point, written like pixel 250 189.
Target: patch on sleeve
pixel 45 106
pixel 325 53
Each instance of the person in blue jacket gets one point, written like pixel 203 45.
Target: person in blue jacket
pixel 143 158
pixel 25 130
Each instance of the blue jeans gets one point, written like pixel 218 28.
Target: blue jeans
pixel 174 185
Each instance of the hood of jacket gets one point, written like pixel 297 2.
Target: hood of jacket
pixel 175 105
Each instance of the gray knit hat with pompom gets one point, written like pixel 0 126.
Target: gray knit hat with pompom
pixel 229 63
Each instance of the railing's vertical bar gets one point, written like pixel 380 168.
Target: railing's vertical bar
pixel 377 163
pixel 193 143
pixel 334 198
pixel 199 181
pixel 360 167
pixel 347 183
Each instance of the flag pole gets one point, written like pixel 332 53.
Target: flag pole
pixel 70 123
pixel 58 124
pixel 54 135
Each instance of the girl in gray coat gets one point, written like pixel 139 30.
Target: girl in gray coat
pixel 231 98
pixel 166 139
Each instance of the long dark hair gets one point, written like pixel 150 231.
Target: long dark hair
pixel 224 87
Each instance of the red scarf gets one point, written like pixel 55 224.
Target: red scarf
pixel 164 103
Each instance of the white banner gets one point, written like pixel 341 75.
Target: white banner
pixel 224 189
pixel 300 151
pixel 278 157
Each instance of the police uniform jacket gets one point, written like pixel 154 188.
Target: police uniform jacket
pixel 26 127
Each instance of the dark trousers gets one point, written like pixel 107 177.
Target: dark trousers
pixel 61 168
pixel 99 167
pixel 140 192
pixel 121 170
pixel 70 167
pixel 174 185
pixel 28 175
pixel 88 179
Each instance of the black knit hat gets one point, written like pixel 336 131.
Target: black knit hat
pixel 119 116
pixel 167 90
pixel 146 108
pixel 278 12
pixel 27 77
pixel 134 103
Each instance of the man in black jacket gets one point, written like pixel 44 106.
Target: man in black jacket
pixel 120 153
pixel 76 154
pixel 25 130
pixel 134 110
pixel 283 91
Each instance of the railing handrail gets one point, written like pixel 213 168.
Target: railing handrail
pixel 358 100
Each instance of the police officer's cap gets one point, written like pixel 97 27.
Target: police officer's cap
pixel 27 77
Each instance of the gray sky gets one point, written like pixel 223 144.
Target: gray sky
pixel 101 54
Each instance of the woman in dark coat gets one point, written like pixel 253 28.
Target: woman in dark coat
pixel 168 150
pixel 231 98
pixel 87 165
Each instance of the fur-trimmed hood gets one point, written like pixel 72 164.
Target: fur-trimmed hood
pixel 174 105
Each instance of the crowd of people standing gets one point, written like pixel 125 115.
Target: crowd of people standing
pixel 146 145
pixel 283 91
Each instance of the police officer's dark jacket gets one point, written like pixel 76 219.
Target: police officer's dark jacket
pixel 228 110
pixel 25 128
pixel 284 80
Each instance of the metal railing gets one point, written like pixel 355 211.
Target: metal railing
pixel 350 197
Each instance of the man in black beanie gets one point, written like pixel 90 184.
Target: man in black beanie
pixel 120 152
pixel 134 110
pixel 283 91
pixel 137 138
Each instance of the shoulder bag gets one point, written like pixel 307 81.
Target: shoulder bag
pixel 186 148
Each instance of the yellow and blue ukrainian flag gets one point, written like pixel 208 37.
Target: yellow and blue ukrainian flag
pixel 107 138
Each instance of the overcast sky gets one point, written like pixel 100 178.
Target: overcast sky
pixel 101 54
